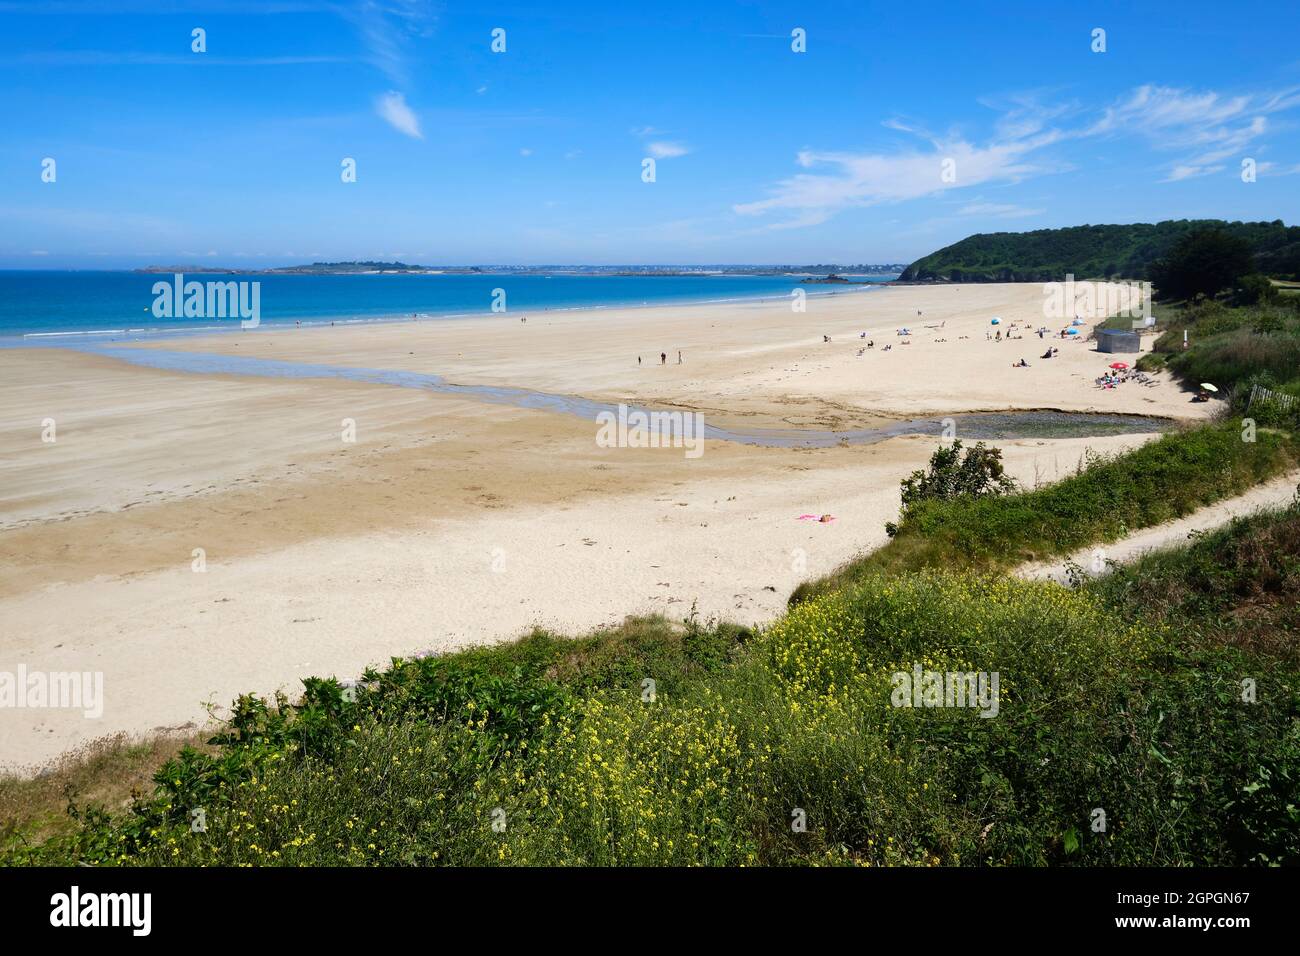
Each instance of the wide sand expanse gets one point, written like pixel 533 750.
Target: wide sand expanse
pixel 193 536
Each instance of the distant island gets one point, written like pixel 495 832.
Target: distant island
pixel 354 267
pixel 817 273
pixel 832 279
pixel 1110 251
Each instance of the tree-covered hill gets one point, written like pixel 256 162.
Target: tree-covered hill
pixel 1120 251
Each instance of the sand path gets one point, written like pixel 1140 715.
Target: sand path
pixel 1271 494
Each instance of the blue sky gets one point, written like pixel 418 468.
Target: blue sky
pixel 534 155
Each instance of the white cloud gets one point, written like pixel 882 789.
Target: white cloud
pixel 1207 127
pixel 392 108
pixel 387 28
pixel 867 179
pixel 666 150
pixel 998 210
pixel 525 152
pixel 897 125
pixel 1179 173
pixel 1273 169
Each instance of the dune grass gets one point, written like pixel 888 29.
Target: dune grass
pixel 1108 498
pixel 783 748
pixel 107 772
pixel 1238 585
pixel 1233 348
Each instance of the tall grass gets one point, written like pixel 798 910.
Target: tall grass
pixel 1105 500
pixel 1230 347
pixel 796 727
pixel 1237 585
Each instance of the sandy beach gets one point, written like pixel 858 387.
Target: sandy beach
pixel 451 521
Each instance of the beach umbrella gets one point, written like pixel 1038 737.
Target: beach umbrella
pixel 1077 322
pixel 1071 331
pixel 1119 365
pixel 1208 387
pixel 996 321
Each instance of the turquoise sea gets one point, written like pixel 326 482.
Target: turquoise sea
pixel 48 305
pixel 99 311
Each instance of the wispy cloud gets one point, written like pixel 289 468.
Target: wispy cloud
pixel 387 29
pixel 1273 169
pixel 1181 172
pixel 998 210
pixel 866 179
pixel 659 148
pixel 394 111
pixel 667 150
pixel 126 58
pixel 1207 127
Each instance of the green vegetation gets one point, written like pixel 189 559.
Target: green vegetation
pixel 1235 349
pixel 576 763
pixel 103 774
pixel 952 475
pixel 1237 585
pixel 703 743
pixel 1203 262
pixel 1092 252
pixel 1106 499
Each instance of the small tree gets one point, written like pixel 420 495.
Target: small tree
pixel 976 474
pixel 1253 290
pixel 1203 262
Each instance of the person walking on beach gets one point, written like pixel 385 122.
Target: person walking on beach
pixel 638 361
pixel 663 358
pixel 679 356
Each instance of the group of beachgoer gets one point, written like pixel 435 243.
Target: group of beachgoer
pixel 663 358
pixel 1119 376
